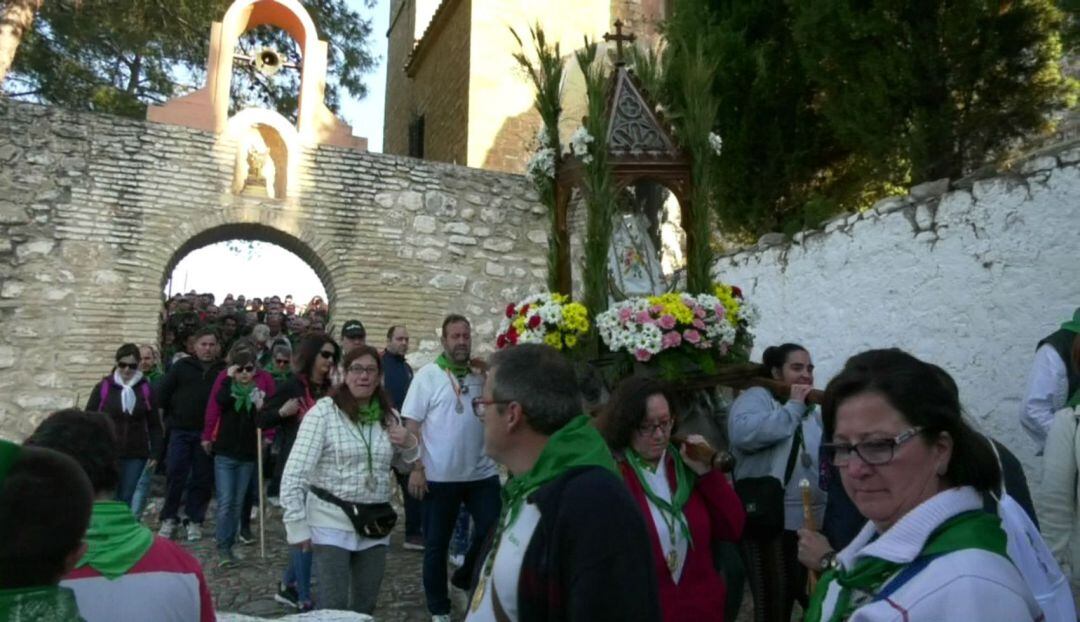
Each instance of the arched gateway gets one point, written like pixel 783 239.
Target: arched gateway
pixel 96 210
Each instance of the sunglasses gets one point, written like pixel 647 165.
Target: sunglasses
pixel 326 354
pixel 127 365
pixel 246 368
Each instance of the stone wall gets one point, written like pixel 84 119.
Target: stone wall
pixel 95 211
pixel 968 275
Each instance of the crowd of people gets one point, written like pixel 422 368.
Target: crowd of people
pixel 873 500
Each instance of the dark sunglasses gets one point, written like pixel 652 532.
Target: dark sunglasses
pixel 326 354
pixel 247 368
pixel 127 365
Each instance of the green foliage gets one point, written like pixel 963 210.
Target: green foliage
pixel 546 75
pixel 936 85
pixel 117 57
pixel 598 187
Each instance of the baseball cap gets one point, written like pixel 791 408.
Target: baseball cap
pixel 353 328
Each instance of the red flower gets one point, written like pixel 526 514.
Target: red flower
pixel 510 310
pixel 524 310
pixel 500 341
pixel 736 292
pixel 534 321
pixel 512 336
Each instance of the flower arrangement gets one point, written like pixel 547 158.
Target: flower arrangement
pixel 699 329
pixel 541 165
pixel 544 318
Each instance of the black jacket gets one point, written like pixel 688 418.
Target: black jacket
pixel 185 391
pixel 589 559
pixel 138 435
pixel 287 426
pixel 235 434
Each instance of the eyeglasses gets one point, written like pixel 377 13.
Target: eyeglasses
pixel 326 354
pixel 360 370
pixel 127 365
pixel 874 452
pixel 478 404
pixel 648 429
pixel 246 368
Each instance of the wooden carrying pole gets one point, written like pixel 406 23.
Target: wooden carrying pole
pixel 808 523
pixel 262 492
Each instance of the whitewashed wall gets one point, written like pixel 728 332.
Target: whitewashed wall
pixel 968 276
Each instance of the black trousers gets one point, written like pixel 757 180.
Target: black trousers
pixel 777 579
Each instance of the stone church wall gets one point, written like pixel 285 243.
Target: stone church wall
pixel 95 211
pixel 969 276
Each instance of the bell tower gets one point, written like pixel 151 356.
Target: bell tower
pixel 208 107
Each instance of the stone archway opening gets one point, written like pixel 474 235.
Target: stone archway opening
pixel 248 260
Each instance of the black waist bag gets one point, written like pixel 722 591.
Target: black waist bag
pixel 763 498
pixel 370 520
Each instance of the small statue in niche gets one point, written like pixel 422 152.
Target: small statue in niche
pixel 255 183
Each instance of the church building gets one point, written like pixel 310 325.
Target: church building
pixel 454 92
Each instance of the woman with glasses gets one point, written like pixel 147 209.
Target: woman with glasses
pixel 775 446
pixel 918 472
pixel 234 441
pixel 315 357
pixel 128 398
pixel 687 503
pixel 342 457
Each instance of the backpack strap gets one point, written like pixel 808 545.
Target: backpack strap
pixel 146 395
pixel 905 575
pixel 103 393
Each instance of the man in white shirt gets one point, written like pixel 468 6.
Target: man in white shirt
pixel 454 469
pixel 1054 381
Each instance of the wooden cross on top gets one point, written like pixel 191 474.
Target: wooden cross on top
pixel 619 38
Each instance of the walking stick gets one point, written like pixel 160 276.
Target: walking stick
pixel 262 500
pixel 808 523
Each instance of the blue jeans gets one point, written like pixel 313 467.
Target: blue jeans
pixel 441 505
pixel 187 469
pixel 130 471
pixel 231 477
pixel 298 573
pixel 459 542
pixel 142 493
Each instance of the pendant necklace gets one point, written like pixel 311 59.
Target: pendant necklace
pixel 459 408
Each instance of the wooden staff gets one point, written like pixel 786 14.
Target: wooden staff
pixel 782 390
pixel 808 523
pixel 262 500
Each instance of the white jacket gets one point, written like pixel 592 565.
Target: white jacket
pixel 970 584
pixel 1059 506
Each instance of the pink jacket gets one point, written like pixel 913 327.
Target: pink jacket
pixel 263 380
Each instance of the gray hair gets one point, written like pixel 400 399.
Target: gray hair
pixel 540 379
pixel 261 332
pixel 282 349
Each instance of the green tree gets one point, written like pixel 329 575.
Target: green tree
pixel 931 88
pixel 778 155
pixel 117 57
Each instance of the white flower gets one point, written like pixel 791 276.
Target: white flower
pixel 579 144
pixel 716 142
pixel 542 164
pixel 542 137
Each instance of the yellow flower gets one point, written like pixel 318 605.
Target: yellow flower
pixel 731 304
pixel 672 304
pixel 554 340
pixel 571 340
pixel 519 324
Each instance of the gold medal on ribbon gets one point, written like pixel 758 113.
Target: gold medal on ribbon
pixel 672 561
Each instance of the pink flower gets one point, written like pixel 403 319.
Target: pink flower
pixel 656 309
pixel 643 317
pixel 670 340
pixel 667 322
pixel 698 311
pixel 698 324
pixel 720 311
pixel 642 355
pixel 691 335
pixel 624 314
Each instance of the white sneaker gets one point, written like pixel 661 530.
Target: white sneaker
pixel 168 528
pixel 274 501
pixel 194 532
pixel 457 561
pixel 445 617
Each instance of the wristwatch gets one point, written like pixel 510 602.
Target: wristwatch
pixel 828 561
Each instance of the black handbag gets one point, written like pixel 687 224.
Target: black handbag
pixel 763 498
pixel 370 520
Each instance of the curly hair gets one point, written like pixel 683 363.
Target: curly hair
pixel 627 409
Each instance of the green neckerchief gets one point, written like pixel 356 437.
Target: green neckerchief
pixel 242 394
pixel 971 530
pixel 154 374
pixel 370 413
pixel 576 444
pixel 684 484
pixel 115 540
pixel 280 377
pixel 33 604
pixel 1074 401
pixel 459 371
pixel 9 453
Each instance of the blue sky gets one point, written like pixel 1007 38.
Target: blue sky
pixel 366 115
